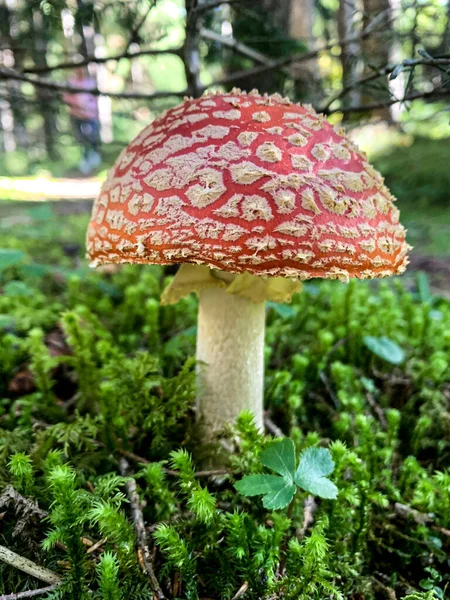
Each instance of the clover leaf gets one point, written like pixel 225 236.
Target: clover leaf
pixel 315 464
pixel 385 348
pixel 278 490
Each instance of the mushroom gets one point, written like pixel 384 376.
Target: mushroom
pixel 252 194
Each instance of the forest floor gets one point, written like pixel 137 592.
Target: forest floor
pixel 93 368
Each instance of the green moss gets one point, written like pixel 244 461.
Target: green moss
pixel 418 174
pixel 92 368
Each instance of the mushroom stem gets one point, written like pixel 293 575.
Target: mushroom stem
pixel 230 355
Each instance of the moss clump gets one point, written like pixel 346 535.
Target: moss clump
pixel 93 369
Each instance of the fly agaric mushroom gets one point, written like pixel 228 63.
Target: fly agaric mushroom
pixel 252 194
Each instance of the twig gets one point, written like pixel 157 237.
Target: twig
pixel 241 591
pixel 99 60
pixel 442 530
pixel 234 44
pixel 309 508
pixel 405 511
pixel 29 593
pixel 211 473
pixel 390 592
pixel 386 70
pixel 272 428
pixel 215 4
pixel 97 545
pixel 349 87
pixel 144 553
pixel 295 58
pixel 437 93
pixel 140 459
pixel 28 566
pixel 56 87
pixel 134 457
pixel 137 27
pixel 329 389
pixel 377 409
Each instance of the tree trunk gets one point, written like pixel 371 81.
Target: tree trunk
pixel 15 128
pixel 104 102
pixel 397 85
pixel 85 31
pixel 264 27
pixel 44 98
pixel 350 53
pixel 301 28
pixel 191 50
pixel 377 48
pixel 279 12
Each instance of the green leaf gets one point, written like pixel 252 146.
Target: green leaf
pixel 280 457
pixel 35 270
pixel 385 348
pixel 42 212
pixel 17 288
pixel 254 485
pixel 281 495
pixel 6 321
pixel 283 310
pixel 396 72
pixel 277 491
pixel 315 464
pixel 9 257
pixel 423 286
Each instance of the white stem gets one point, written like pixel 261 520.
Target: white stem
pixel 230 355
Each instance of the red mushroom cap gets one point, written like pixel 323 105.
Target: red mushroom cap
pixel 248 183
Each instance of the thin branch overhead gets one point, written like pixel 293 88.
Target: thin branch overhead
pixel 392 71
pixel 11 74
pixel 189 54
pixel 234 44
pixel 100 60
pixel 212 4
pixel 433 94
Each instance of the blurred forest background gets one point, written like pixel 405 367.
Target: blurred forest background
pixel 352 59
pixel 382 67
pixel 93 370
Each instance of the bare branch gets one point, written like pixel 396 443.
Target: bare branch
pixel 100 60
pixel 198 474
pixel 383 71
pixel 29 593
pixel 437 93
pixel 241 591
pixel 61 88
pixel 283 62
pixel 28 566
pixel 348 88
pixel 215 4
pixel 272 427
pixel 238 47
pixel 138 25
pixel 309 508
